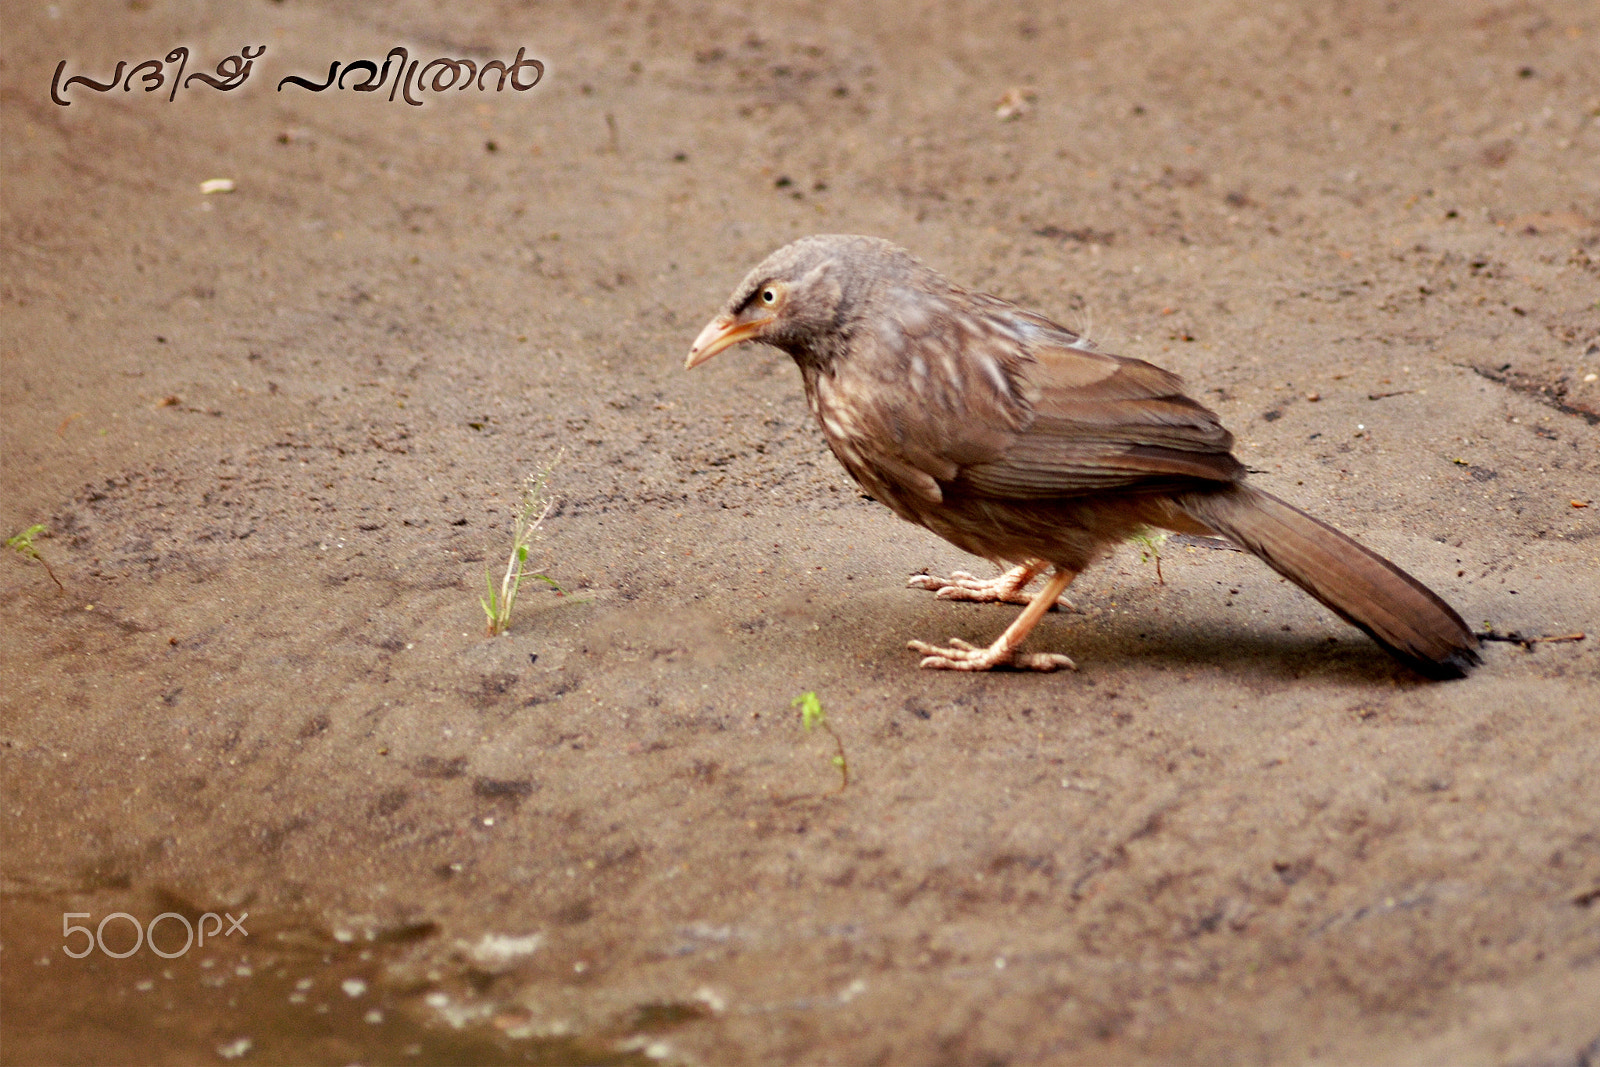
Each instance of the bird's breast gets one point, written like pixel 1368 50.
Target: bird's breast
pixel 839 410
pixel 870 442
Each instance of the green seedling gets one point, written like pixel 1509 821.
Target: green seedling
pixel 812 717
pixel 1150 542
pixel 536 505
pixel 22 544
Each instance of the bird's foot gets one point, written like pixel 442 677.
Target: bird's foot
pixel 959 655
pixel 1008 588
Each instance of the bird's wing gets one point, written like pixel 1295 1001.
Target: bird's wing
pixel 1099 421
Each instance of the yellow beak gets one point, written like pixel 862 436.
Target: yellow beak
pixel 722 332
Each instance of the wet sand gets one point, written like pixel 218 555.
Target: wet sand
pixel 277 435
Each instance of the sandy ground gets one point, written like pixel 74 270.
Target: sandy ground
pixel 277 435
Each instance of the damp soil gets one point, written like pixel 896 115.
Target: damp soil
pixel 276 437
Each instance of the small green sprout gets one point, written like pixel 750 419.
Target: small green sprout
pixel 536 505
pixel 1150 542
pixel 22 544
pixel 812 717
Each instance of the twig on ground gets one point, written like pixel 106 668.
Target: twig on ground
pixel 1527 642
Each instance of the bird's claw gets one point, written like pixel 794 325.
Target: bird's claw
pixel 1006 589
pixel 961 655
pixel 933 583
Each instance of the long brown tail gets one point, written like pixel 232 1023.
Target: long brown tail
pixel 1397 611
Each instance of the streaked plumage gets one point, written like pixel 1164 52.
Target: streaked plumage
pixel 1015 439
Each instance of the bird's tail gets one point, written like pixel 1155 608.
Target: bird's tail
pixel 1397 611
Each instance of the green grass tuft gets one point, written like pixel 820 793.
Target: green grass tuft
pixel 536 505
pixel 22 544
pixel 1150 542
pixel 812 717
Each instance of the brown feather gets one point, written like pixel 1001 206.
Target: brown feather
pixel 1011 437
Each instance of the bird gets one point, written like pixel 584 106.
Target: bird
pixel 1020 441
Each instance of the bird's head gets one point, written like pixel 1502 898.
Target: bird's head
pixel 802 297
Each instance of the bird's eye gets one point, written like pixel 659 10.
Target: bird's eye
pixel 769 296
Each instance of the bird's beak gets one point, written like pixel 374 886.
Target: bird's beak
pixel 724 331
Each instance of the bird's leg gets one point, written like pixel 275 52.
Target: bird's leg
pixel 961 656
pixel 1009 588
